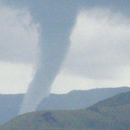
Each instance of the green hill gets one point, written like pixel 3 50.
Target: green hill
pixel 76 99
pixel 110 114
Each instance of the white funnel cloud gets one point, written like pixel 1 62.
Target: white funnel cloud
pixel 56 23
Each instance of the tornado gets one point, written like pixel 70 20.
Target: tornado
pixel 56 19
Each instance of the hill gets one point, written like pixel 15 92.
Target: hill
pixel 110 114
pixel 79 99
pixel 10 104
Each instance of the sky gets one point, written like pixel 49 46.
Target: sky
pixel 98 56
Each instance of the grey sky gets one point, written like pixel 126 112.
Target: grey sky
pixel 99 44
pixel 19 38
pixel 99 47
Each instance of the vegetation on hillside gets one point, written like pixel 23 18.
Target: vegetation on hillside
pixel 111 114
pixel 10 104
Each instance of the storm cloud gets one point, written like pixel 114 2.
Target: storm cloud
pixel 99 44
pixel 18 36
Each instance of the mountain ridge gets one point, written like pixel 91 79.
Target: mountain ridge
pixel 104 115
pixel 77 99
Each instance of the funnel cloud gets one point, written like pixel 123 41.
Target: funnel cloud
pixel 55 27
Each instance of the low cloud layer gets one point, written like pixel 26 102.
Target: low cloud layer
pixel 100 45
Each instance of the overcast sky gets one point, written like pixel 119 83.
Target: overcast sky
pixel 98 56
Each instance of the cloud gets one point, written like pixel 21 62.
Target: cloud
pixel 18 36
pixel 100 45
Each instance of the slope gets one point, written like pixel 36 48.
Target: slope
pixel 10 104
pixel 110 114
